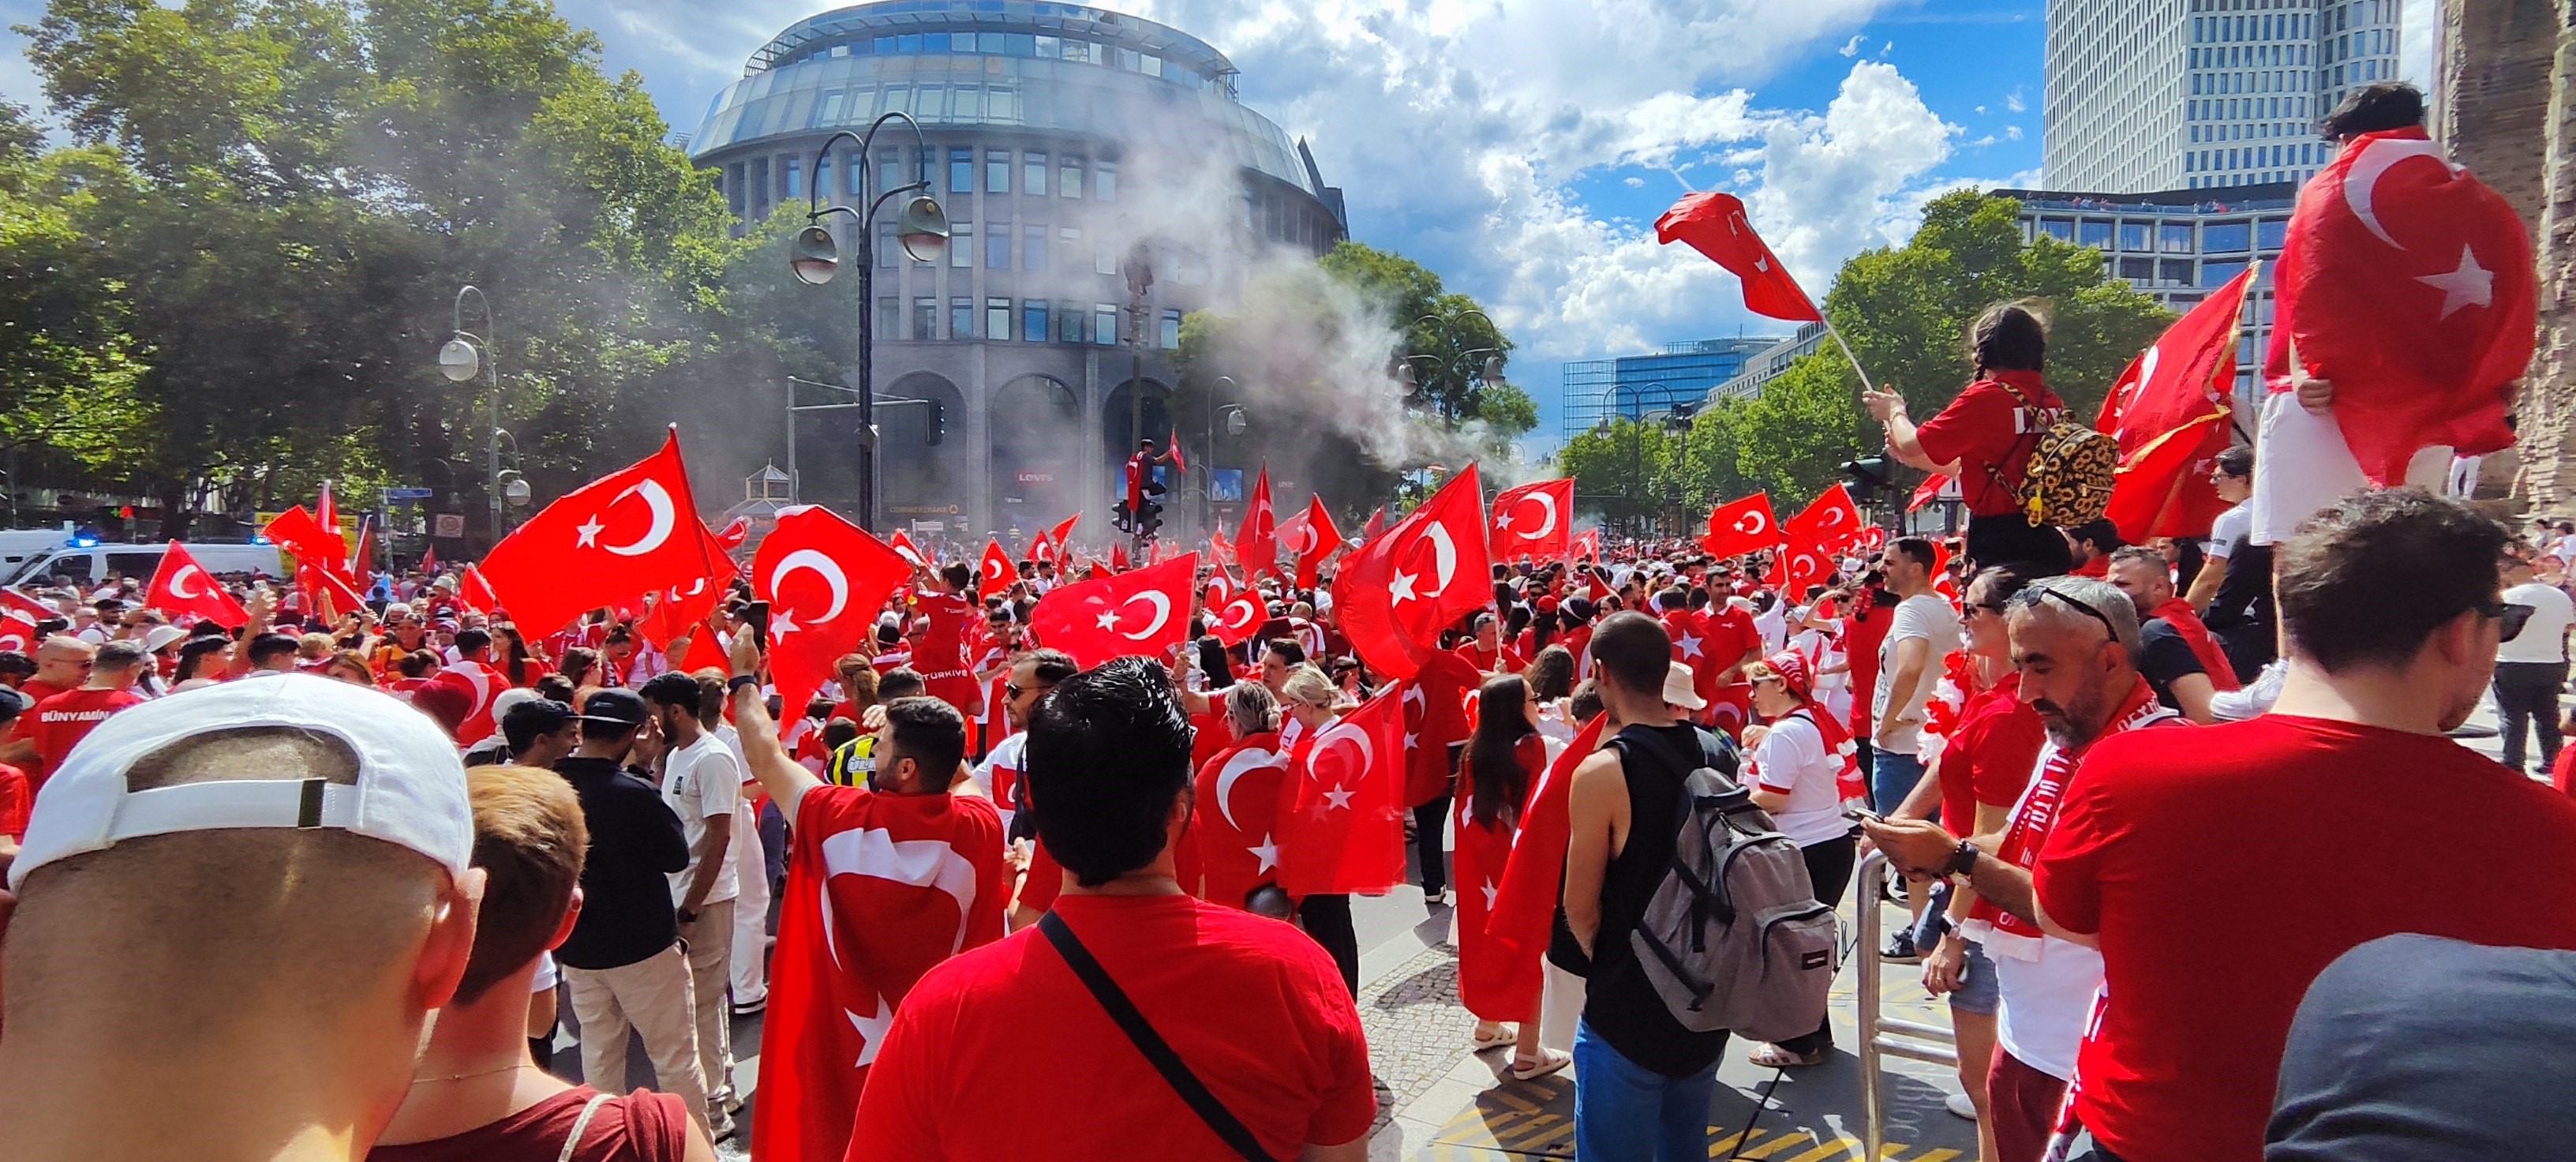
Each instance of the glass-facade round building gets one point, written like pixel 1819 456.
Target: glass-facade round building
pixel 1060 139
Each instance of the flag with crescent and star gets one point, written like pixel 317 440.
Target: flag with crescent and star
pixel 1586 546
pixel 300 534
pixel 473 592
pixel 632 531
pixel 2170 412
pixel 1311 538
pixel 880 889
pixel 994 571
pixel 1396 593
pixel 1523 910
pixel 1714 224
pixel 1830 522
pixel 678 610
pixel 1234 612
pixel 1533 520
pixel 181 589
pixel 19 617
pixel 1341 824
pixel 1236 819
pixel 1061 536
pixel 901 543
pixel 1256 544
pixel 824 579
pixel 2409 285
pixel 1799 564
pixel 1145 611
pixel 1741 526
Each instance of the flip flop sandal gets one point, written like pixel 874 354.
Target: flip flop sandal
pixel 1775 1057
pixel 1496 1040
pixel 1549 1062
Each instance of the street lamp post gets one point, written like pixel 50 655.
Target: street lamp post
pixel 1487 370
pixel 465 353
pixel 1636 436
pixel 1207 488
pixel 922 231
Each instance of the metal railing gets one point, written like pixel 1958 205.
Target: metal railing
pixel 1882 1036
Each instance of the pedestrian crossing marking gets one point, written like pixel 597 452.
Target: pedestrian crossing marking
pixel 1484 1133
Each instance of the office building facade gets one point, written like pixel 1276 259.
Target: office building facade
pixel 1632 386
pixel 2147 95
pixel 1059 139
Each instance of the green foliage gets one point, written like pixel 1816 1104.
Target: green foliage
pixel 1445 337
pixel 68 365
pixel 1625 470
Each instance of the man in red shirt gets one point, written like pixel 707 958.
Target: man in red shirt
pixel 1486 650
pixel 2220 870
pixel 1251 1009
pixel 940 650
pixel 57 724
pixel 62 663
pixel 1733 643
pixel 474 675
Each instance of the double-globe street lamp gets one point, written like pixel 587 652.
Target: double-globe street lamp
pixel 464 354
pixel 1465 364
pixel 921 229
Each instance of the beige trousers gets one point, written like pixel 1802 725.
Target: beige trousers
pixel 650 997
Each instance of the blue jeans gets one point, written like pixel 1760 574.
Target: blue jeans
pixel 1625 1112
pixel 1891 778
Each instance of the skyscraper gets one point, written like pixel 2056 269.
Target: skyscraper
pixel 2147 95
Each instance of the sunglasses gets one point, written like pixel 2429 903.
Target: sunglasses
pixel 2513 617
pixel 2087 611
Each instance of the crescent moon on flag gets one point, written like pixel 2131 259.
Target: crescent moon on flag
pixel 1354 736
pixel 1444 556
pixel 821 566
pixel 1243 763
pixel 179 583
pixel 665 517
pixel 2361 182
pixel 1162 603
pixel 1251 612
pixel 875 853
pixel 1760 523
pixel 1547 502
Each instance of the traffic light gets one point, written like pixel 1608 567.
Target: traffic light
pixel 1151 518
pixel 1869 472
pixel 937 429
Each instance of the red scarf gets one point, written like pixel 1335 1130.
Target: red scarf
pixel 2005 934
pixel 2178 614
pixel 1838 743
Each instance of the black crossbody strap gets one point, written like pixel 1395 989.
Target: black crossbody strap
pixel 1157 1051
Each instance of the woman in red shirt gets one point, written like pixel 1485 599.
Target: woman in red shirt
pixel 1504 758
pixel 1985 438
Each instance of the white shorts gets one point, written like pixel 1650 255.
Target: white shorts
pixel 2301 465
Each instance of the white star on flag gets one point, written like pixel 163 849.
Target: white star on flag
pixel 1109 620
pixel 1412 741
pixel 1689 646
pixel 783 623
pixel 589 531
pixel 2469 286
pixel 1503 521
pixel 1490 892
pixel 1338 798
pixel 871 1028
pixel 1402 587
pixel 1267 852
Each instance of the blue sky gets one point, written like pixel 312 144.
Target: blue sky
pixel 1523 148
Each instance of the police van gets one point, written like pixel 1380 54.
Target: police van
pixel 88 562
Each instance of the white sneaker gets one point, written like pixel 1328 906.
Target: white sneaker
pixel 1961 1105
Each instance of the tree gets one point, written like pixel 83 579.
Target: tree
pixel 68 365
pixel 1624 470
pixel 1449 333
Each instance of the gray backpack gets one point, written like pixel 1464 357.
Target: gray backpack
pixel 1734 938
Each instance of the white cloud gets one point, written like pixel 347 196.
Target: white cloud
pixel 2014 102
pixel 1852 47
pixel 2417 21
pixel 1635 183
pixel 2012 132
pixel 1981 110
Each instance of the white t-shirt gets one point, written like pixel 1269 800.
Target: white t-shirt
pixel 2231 526
pixel 1773 626
pixel 2047 984
pixel 1004 758
pixel 2544 637
pixel 1792 760
pixel 702 781
pixel 1926 616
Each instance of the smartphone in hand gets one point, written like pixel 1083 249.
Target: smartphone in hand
pixel 755 617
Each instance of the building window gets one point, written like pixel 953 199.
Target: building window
pixel 1170 337
pixel 1103 259
pixel 961 244
pixel 961 318
pixel 890 172
pixel 1070 239
pixel 889 317
pixel 2270 233
pixel 856 175
pixel 2093 232
pixel 961 171
pixel 2226 238
pixel 2133 236
pixel 1033 320
pixel 1104 181
pixel 925 318
pixel 886 249
pixel 997 246
pixel 997 171
pixel 2174 238
pixel 1068 324
pixel 1033 247
pixel 795 179
pixel 1033 174
pixel 1068 178
pixel 997 318
pixel 1104 325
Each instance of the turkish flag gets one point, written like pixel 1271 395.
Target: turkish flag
pixel 2409 284
pixel 1398 592
pixel 1797 565
pixel 362 559
pixel 2170 413
pixel 17 632
pixel 1376 524
pixel 903 547
pixel 994 572
pixel 735 532
pixel 824 579
pixel 328 591
pixel 428 557
pixel 1533 520
pixel 1714 224
pixel 680 609
pixel 634 530
pixel 1341 825
pixel 1220 553
pixel 1829 522
pixel 1236 820
pixel 1524 909
pixel 1118 560
pixel 1311 538
pixel 1143 612
pixel 473 592
pixel 1235 615
pixel 19 604
pixel 880 889
pixel 1256 544
pixel 1586 545
pixel 1180 464
pixel 181 589
pixel 1930 490
pixel 1061 536
pixel 1741 526
pixel 302 535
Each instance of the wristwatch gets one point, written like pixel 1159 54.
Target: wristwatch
pixel 738 681
pixel 1962 860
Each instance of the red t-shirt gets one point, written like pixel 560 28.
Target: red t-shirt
pixel 1730 636
pixel 1254 1007
pixel 1863 632
pixel 2223 868
pixel 1991 434
pixel 34 690
pixel 1501 658
pixel 17 800
pixel 1990 754
pixel 643 1126
pixel 60 722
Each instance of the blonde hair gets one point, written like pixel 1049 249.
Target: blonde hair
pixel 1308 685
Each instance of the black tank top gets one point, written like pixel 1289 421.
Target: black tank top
pixel 1619 1003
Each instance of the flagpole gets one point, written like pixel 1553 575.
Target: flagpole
pixel 1847 351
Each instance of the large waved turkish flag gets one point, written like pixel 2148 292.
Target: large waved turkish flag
pixel 473 591
pixel 1145 611
pixel 824 579
pixel 1341 824
pixel 1714 224
pixel 1742 526
pixel 1234 613
pixel 1533 520
pixel 1311 538
pixel 1829 522
pixel 632 531
pixel 299 533
pixel 2409 285
pixel 1398 592
pixel 2169 411
pixel 1256 544
pixel 1524 908
pixel 181 589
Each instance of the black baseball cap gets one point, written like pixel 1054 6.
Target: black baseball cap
pixel 615 707
pixel 537 716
